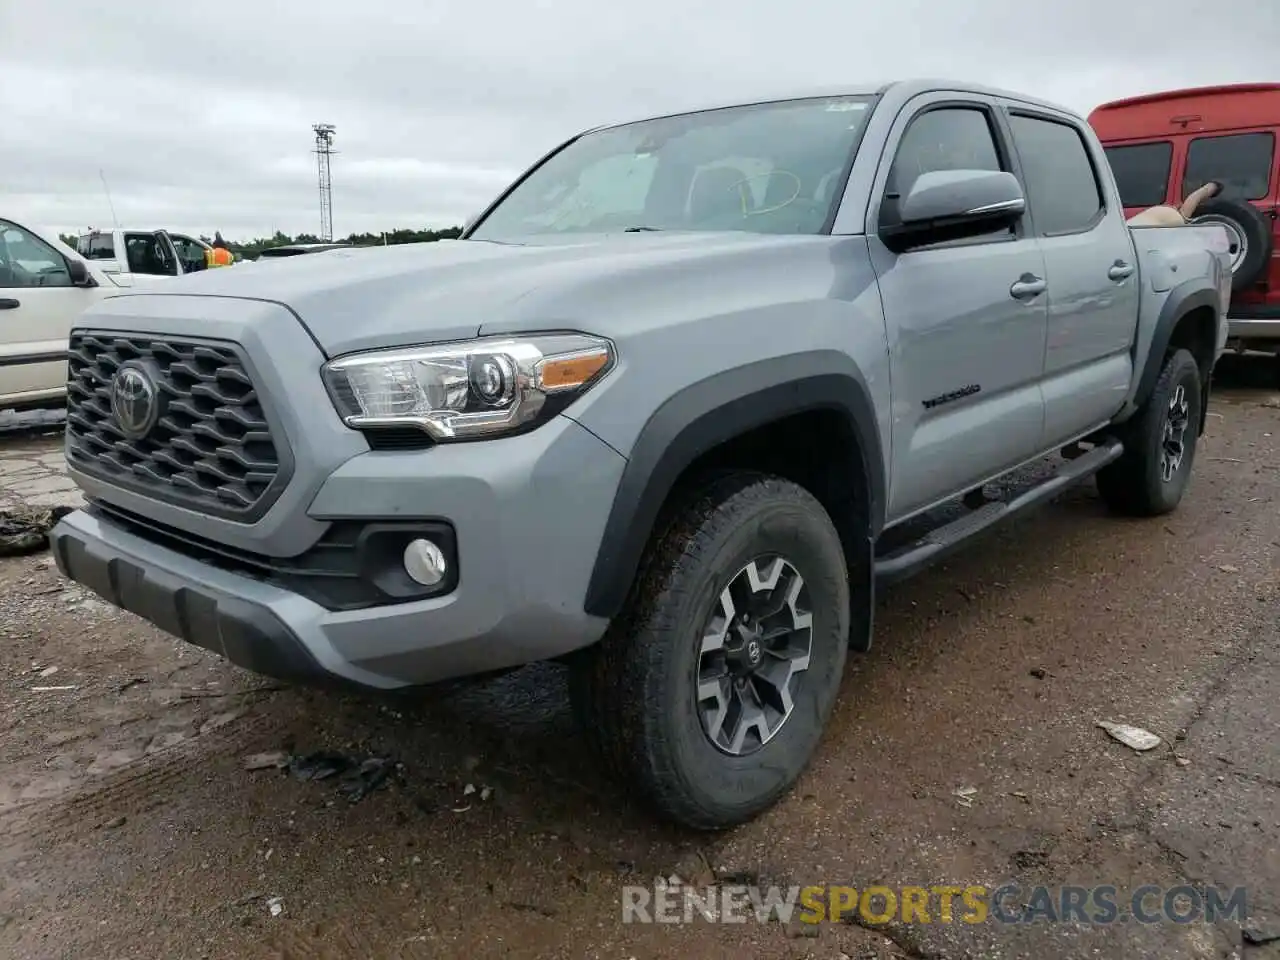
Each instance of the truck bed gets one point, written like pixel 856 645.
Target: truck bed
pixel 1170 256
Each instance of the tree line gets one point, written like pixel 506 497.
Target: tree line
pixel 249 249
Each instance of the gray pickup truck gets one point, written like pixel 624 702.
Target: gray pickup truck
pixel 660 413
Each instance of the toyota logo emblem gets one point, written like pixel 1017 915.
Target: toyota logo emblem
pixel 135 402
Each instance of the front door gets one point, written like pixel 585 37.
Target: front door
pixel 38 306
pixel 966 320
pixel 150 256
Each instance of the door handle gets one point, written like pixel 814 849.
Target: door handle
pixel 1028 286
pixel 1120 271
pixel 8 303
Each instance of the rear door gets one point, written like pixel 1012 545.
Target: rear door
pixel 191 252
pixel 1091 268
pixel 170 253
pixel 38 306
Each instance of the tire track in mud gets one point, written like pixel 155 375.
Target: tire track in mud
pixel 137 787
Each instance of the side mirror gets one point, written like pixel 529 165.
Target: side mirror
pixel 954 205
pixel 80 275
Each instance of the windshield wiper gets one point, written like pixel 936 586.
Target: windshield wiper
pixel 643 230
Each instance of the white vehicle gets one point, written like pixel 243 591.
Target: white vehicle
pixel 294 249
pixel 143 253
pixel 44 287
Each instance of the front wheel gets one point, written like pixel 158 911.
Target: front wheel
pixel 712 690
pixel 1151 476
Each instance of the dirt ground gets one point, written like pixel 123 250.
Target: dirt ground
pixel 130 827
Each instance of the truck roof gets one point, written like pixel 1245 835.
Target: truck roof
pixel 899 90
pixel 100 231
pixel 1190 110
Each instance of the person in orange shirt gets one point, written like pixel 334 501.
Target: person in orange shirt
pixel 219 255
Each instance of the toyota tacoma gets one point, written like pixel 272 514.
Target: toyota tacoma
pixel 661 413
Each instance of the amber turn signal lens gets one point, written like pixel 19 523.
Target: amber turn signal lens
pixel 562 373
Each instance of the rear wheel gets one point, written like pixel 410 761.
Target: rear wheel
pixel 711 691
pixel 1159 444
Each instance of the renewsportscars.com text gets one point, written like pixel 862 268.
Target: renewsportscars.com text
pixel 1009 904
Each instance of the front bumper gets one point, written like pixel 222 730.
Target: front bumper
pixel 198 604
pixel 528 511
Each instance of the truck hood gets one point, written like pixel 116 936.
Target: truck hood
pixel 359 299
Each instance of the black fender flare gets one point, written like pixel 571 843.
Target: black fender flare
pixel 708 413
pixel 1185 297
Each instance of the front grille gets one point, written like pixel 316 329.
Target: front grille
pixel 212 448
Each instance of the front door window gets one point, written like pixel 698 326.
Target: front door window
pixel 27 261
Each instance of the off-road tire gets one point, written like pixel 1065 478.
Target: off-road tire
pixel 1134 485
pixel 634 691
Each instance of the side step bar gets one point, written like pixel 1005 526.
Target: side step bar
pixel 938 543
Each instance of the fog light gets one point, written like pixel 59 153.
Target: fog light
pixel 424 562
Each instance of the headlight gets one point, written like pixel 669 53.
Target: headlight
pixel 475 388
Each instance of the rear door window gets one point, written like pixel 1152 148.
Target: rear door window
pixel 1142 172
pixel 96 246
pixel 1059 177
pixel 1241 162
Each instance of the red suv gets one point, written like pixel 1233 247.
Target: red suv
pixel 1164 145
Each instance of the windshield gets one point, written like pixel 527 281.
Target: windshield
pixel 765 168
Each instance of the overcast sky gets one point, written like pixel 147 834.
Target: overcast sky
pixel 198 115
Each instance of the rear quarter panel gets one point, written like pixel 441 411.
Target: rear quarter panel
pixel 1174 262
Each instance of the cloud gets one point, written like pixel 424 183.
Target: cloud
pixel 199 118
